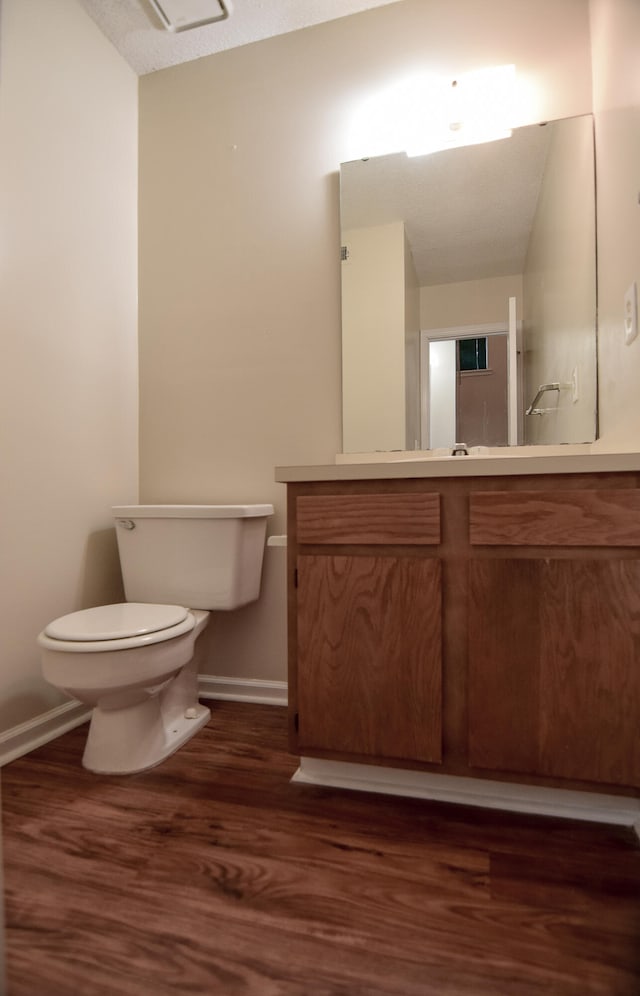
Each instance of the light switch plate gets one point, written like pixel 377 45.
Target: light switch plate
pixel 631 314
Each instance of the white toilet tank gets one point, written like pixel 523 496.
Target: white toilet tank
pixel 198 556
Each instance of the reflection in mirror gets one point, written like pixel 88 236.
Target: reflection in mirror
pixel 468 393
pixel 435 247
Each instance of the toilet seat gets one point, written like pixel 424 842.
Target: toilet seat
pixel 122 626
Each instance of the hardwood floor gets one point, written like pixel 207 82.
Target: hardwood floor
pixel 212 874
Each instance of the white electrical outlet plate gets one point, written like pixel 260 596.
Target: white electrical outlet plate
pixel 631 314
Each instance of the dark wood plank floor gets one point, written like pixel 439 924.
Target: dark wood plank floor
pixel 212 874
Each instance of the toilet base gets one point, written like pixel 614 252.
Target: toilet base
pixel 125 741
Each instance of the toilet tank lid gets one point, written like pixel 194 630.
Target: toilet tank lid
pixel 191 511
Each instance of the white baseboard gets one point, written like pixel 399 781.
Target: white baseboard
pixel 596 807
pixel 242 690
pixel 25 737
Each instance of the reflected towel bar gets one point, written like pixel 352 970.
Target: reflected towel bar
pixel 533 409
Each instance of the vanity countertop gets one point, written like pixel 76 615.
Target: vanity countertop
pixel 392 466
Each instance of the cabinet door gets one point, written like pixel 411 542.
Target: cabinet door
pixel 369 656
pixel 554 668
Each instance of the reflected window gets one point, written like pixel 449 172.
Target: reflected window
pixel 472 354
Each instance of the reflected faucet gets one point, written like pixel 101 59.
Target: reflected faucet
pixel 460 449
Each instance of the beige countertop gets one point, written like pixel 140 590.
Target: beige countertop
pixel 512 462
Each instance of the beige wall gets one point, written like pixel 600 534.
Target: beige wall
pixel 472 302
pixel 560 290
pixel 239 235
pixel 373 341
pixel 615 27
pixel 68 122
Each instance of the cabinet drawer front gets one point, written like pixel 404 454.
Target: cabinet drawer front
pixel 369 519
pixel 555 518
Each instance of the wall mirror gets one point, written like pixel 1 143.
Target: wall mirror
pixel 464 244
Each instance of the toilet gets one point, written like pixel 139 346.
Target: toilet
pixel 133 662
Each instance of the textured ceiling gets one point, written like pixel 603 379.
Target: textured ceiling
pixel 467 211
pixel 137 32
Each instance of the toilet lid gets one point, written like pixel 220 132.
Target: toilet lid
pixel 115 622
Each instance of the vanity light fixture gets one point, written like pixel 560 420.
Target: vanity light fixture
pixel 473 108
pixel 182 15
pixel 425 113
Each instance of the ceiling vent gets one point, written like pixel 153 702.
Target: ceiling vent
pixel 182 15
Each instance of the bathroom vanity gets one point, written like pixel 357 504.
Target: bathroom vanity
pixel 469 618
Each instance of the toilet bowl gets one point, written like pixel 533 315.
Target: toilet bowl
pixel 133 662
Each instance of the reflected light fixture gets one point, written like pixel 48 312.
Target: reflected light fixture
pixel 182 15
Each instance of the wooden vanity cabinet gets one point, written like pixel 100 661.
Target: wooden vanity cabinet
pixel 486 627
pixel 554 634
pixel 367 626
pixel 369 659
